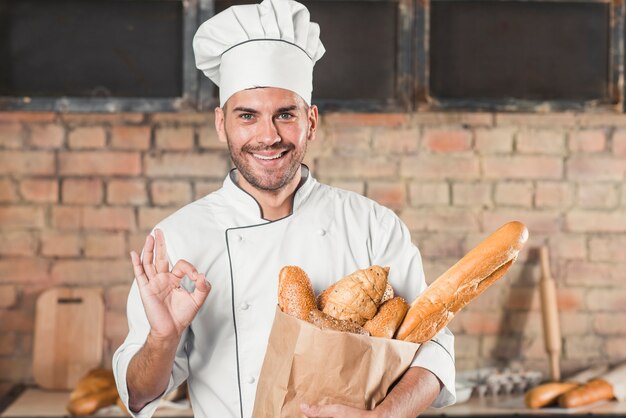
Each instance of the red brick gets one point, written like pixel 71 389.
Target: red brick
pixel 55 244
pixel 21 217
pixel 580 347
pixel 568 246
pixel 514 194
pixel 127 192
pixel 574 323
pixel 105 245
pixel 588 140
pixel 607 299
pixel 67 217
pixel 615 348
pixel 137 240
pixel 82 191
pixel 27 162
pixel 17 243
pixel 429 194
pixel 99 163
pixel 609 324
pixel 441 219
pixel 619 143
pixel 388 193
pixel 545 142
pixel 523 299
pixel 549 120
pixel 109 218
pixel 595 221
pixel 594 273
pixel 130 137
pixel 533 347
pixel 494 141
pixel 8 344
pixel 40 190
pixel 115 325
pixel 11 135
pixel 500 347
pixel 16 369
pixel 440 245
pixel 115 298
pixel 23 270
pixel 27 116
pixel 453 118
pixel 447 140
pixel 357 167
pixel 91 272
pixel 598 196
pixel 8 296
pixel 608 248
pixel 208 139
pixel 396 141
pixel 203 188
pixel 16 320
pixel 149 217
pixel 174 193
pixel 186 165
pixel 179 139
pixel 590 119
pixel 87 137
pixel 8 193
pixel 491 301
pixel 92 118
pixel 183 117
pixel 438 167
pixel 551 194
pixel 26 343
pixel 595 168
pixel 472 195
pixel 544 221
pixel 47 136
pixel 470 346
pixel 366 119
pixel 527 323
pixel 523 167
pixel 351 141
pixel 480 323
pixel 355 186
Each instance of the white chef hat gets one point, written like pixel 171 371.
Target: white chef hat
pixel 271 44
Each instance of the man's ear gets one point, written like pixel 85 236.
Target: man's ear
pixel 313 122
pixel 220 119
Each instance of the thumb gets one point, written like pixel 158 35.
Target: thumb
pixel 203 288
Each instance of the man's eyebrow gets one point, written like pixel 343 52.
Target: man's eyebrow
pixel 245 109
pixel 286 109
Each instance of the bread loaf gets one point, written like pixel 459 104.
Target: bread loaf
pixel 93 391
pixel 295 293
pixel 593 391
pixel 546 394
pixel 356 297
pixel 387 320
pixel 464 281
pixel 323 321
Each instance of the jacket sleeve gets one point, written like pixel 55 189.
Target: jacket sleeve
pixel 138 331
pixel 391 246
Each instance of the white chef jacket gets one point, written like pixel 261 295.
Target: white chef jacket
pixel 330 234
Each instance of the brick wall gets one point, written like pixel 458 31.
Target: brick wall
pixel 79 191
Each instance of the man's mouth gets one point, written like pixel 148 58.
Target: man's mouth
pixel 268 157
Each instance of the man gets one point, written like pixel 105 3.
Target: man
pixel 270 212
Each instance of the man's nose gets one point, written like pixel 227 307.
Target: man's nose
pixel 268 133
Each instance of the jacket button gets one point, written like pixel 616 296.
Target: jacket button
pixel 250 379
pixel 244 306
pixel 321 232
pixel 239 237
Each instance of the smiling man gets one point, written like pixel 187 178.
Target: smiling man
pixel 270 212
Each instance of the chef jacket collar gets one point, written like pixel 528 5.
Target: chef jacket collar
pixel 249 203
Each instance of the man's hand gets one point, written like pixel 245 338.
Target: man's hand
pixel 169 307
pixel 335 411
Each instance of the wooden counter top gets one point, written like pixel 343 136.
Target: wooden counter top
pixel 514 405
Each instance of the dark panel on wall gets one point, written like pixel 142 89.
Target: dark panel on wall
pixel 361 48
pixel 96 48
pixel 519 49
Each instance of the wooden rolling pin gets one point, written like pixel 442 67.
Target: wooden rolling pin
pixel 550 316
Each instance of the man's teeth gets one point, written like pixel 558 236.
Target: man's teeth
pixel 268 157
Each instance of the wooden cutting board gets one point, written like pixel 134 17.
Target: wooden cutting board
pixel 68 341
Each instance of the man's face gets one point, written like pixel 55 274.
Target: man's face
pixel 267 130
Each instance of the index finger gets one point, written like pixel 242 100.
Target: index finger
pixel 160 260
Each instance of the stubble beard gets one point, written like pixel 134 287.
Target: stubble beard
pixel 267 180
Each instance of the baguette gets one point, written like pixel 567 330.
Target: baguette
pixel 89 404
pixel 593 391
pixel 546 394
pixel 388 319
pixel 468 278
pixel 324 321
pixel 295 293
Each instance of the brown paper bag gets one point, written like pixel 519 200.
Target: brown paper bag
pixel 304 364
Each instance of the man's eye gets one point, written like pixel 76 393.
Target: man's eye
pixel 285 116
pixel 246 116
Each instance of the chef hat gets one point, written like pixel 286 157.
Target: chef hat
pixel 271 44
